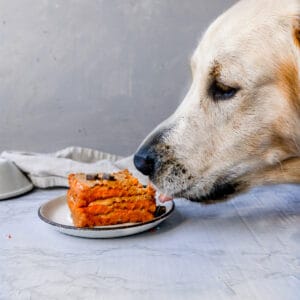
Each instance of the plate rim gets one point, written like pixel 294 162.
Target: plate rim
pixel 102 228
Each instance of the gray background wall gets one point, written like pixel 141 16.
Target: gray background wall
pixel 98 74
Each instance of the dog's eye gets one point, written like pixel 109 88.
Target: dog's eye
pixel 220 91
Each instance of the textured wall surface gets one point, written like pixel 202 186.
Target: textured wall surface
pixel 93 73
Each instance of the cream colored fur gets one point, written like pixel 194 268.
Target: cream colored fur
pixel 253 138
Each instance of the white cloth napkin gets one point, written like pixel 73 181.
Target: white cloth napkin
pixel 52 169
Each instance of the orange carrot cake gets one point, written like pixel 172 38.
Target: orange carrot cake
pixel 108 199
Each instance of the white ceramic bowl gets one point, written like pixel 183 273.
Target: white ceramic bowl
pixel 12 181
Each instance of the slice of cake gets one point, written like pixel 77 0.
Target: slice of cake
pixel 108 199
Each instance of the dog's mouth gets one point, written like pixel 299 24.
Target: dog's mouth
pixel 174 180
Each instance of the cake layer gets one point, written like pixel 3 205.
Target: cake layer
pixel 120 217
pixel 109 205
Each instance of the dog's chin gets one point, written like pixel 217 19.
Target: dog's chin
pixel 218 193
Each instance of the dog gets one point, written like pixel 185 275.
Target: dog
pixel 239 124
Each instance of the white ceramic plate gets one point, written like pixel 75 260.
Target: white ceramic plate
pixel 56 213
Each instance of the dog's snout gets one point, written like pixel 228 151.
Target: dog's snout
pixel 144 161
pixel 147 158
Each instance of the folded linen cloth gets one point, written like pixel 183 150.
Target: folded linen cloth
pixel 52 169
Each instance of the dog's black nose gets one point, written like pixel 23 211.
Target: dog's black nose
pixel 144 162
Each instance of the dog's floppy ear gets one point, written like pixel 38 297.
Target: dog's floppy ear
pixel 296 30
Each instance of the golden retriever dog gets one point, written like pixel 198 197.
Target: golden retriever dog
pixel 239 124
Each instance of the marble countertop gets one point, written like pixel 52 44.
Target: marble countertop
pixel 248 248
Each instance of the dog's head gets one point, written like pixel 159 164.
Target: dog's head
pixel 242 112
